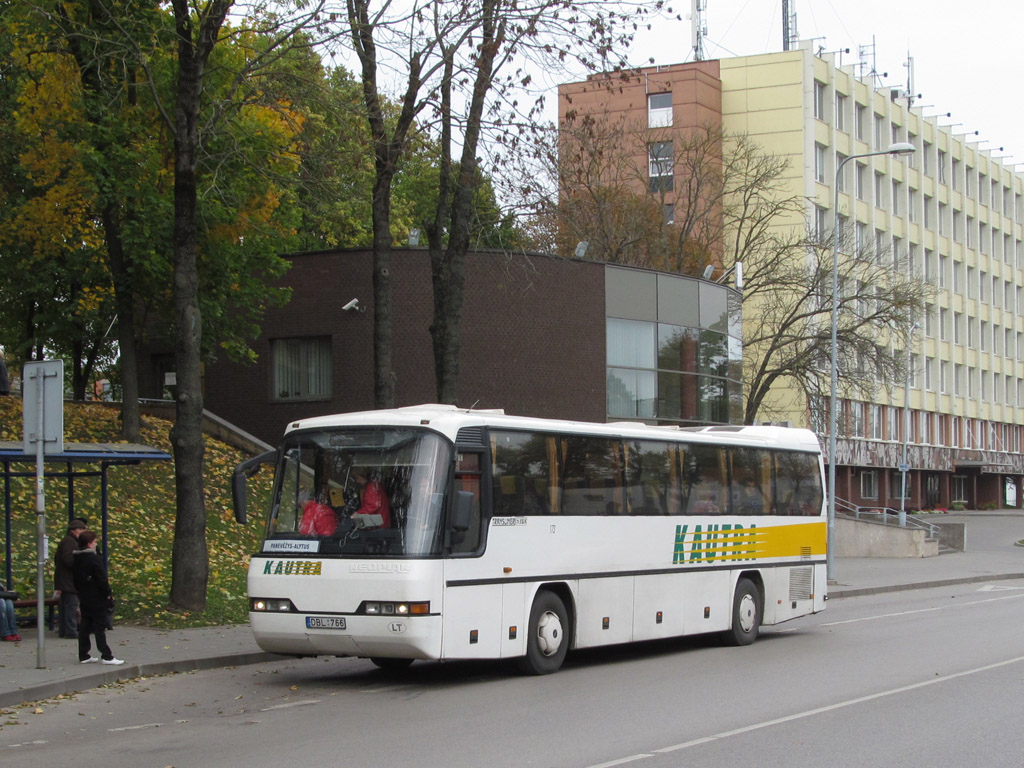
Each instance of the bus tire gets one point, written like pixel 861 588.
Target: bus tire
pixel 747 611
pixel 547 639
pixel 391 665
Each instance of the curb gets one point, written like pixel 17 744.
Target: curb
pixel 129 671
pixel 862 591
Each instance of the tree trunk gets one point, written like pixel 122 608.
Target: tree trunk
pixel 124 301
pixel 190 556
pixel 448 267
pixel 383 375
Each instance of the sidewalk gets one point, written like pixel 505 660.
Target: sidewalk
pixel 991 556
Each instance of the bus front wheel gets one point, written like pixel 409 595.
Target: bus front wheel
pixel 547 640
pixel 746 614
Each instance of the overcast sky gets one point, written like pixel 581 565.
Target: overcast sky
pixel 968 56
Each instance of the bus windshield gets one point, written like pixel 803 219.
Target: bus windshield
pixel 375 491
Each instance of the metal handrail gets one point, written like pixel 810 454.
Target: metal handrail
pixel 887 516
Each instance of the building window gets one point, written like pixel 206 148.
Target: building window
pixel 659 110
pixel 862 181
pixel 632 380
pixel 959 490
pixel 840 112
pixel 879 130
pixel 861 115
pixel 819 163
pixel 875 415
pixel 927 153
pixel 940 165
pixel 819 100
pixel 670 373
pixel 896 483
pixel 302 368
pixel 841 178
pixel 660 162
pixel 820 223
pixel 668 214
pixel 869 484
pixel 896 186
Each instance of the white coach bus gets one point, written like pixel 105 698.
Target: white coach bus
pixel 433 532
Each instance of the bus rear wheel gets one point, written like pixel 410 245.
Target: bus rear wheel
pixel 746 614
pixel 547 639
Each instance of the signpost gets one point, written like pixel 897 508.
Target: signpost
pixel 43 432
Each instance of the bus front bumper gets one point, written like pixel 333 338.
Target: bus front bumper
pixel 299 634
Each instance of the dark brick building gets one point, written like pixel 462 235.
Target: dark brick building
pixel 535 335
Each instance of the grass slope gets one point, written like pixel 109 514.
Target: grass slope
pixel 141 506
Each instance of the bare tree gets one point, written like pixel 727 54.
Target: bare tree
pixel 732 204
pixel 464 68
pixel 787 322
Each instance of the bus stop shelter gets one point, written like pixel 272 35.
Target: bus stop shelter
pixel 77 461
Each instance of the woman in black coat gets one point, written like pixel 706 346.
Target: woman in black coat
pixel 95 599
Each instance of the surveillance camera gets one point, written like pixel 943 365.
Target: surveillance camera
pixel 354 304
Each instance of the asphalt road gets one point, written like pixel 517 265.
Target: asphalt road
pixel 930 677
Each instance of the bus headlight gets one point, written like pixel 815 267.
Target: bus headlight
pixel 377 608
pixel 271 605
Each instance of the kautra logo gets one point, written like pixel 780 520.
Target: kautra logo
pixel 293 568
pixel 708 543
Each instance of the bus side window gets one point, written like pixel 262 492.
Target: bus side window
pixel 704 482
pixel 751 481
pixel 467 478
pixel 798 482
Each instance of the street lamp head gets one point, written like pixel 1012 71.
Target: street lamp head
pixel 901 148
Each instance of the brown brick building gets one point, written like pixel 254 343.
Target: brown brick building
pixel 541 336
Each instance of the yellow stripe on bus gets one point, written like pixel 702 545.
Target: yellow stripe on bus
pixel 698 544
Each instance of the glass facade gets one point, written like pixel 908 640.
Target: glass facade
pixel 674 349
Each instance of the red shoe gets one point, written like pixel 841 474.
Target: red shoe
pixel 17 638
pixel 12 638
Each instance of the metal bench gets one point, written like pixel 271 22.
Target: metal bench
pixel 51 604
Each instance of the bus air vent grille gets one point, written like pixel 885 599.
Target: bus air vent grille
pixel 801 583
pixel 470 436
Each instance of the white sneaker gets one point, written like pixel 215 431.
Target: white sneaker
pixel 113 661
pixel 90 660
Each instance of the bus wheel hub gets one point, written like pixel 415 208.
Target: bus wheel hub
pixel 549 633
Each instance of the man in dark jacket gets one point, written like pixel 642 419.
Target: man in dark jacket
pixel 64 581
pixel 95 599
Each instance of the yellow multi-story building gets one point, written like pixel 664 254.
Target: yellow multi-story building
pixel 951 213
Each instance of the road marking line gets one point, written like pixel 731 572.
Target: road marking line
pixel 622 761
pixel 385 689
pixel 135 727
pixel 921 610
pixel 303 703
pixel 839 705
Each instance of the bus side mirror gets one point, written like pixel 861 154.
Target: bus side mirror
pixel 462 517
pixel 239 479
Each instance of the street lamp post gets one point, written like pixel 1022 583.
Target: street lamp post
pixel 906 432
pixel 899 148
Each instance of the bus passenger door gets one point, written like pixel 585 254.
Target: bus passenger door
pixel 472 611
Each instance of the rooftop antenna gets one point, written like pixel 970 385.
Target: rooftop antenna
pixel 790 36
pixel 909 64
pixel 698 29
pixel 876 77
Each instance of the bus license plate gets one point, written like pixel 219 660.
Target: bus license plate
pixel 325 622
